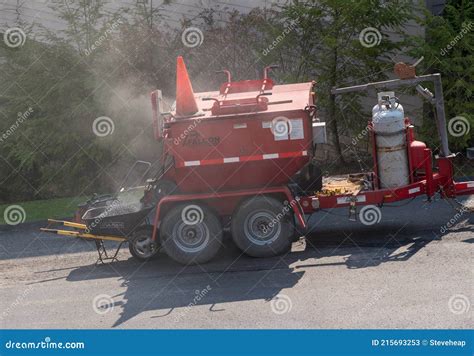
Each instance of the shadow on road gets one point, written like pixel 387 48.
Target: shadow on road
pixel 167 288
pixel 163 286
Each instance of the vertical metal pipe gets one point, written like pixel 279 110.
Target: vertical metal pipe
pixel 441 116
pixel 430 189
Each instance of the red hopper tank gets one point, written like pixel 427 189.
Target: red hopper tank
pixel 249 134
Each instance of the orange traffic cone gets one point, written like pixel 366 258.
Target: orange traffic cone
pixel 185 100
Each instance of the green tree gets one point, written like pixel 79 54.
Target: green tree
pixel 449 50
pixel 98 65
pixel 328 43
pixel 52 150
pixel 42 153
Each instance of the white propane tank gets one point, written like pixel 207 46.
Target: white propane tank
pixel 388 121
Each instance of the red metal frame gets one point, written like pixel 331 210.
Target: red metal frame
pixel 409 139
pixel 374 156
pixel 441 181
pixel 426 181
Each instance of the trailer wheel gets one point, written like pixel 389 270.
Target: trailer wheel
pixel 191 234
pixel 263 227
pixel 140 244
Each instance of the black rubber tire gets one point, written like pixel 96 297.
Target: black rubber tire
pixel 250 238
pixel 191 233
pixel 138 245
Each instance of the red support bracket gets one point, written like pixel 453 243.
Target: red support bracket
pixel 430 186
pixel 464 188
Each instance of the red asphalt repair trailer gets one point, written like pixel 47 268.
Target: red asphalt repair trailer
pixel 243 157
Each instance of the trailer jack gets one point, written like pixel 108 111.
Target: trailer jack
pixel 102 252
pixel 81 232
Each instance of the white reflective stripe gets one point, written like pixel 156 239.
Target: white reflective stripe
pixel 240 126
pixel 231 159
pixel 192 163
pixel 238 159
pixel 346 200
pixel 270 156
pixel 414 190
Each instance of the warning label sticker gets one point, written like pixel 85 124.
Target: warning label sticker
pixel 297 129
pixel 285 129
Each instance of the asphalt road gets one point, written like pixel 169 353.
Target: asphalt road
pixel 405 272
